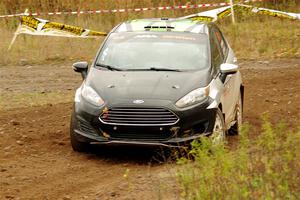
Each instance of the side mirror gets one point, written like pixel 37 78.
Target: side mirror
pixel 81 67
pixel 227 69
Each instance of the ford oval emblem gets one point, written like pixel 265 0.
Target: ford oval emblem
pixel 138 101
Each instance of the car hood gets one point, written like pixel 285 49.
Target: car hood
pixel 114 86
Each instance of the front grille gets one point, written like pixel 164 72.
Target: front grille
pixel 138 116
pixel 140 133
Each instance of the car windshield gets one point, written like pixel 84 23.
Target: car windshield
pixel 157 51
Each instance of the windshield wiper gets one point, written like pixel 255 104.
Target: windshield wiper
pixel 164 69
pixel 155 69
pixel 111 68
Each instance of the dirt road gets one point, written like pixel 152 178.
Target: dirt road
pixel 37 162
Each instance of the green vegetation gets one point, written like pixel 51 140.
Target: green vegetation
pixel 253 37
pixel 263 167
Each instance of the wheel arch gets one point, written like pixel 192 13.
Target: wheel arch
pixel 220 107
pixel 242 91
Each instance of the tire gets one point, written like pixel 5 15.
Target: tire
pixel 235 129
pixel 219 132
pixel 77 145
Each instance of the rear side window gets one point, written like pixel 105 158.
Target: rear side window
pixel 221 41
pixel 217 56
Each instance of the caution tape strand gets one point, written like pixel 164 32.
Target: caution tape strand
pixel 177 7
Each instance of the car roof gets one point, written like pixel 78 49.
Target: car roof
pixel 163 25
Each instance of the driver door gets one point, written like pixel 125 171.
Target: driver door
pixel 219 49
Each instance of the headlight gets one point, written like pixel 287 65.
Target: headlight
pixel 91 95
pixel 194 97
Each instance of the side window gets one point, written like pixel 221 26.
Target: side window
pixel 216 52
pixel 221 41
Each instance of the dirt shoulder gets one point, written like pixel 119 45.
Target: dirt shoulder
pixel 37 162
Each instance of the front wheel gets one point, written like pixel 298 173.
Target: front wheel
pixel 218 135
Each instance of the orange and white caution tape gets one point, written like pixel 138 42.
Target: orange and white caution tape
pixel 206 5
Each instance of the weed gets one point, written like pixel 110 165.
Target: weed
pixel 265 167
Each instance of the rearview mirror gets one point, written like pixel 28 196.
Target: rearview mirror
pixel 81 67
pixel 227 69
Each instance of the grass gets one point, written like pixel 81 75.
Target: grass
pixel 265 167
pixel 252 37
pixel 268 39
pixel 30 99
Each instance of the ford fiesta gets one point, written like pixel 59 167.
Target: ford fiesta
pixel 158 82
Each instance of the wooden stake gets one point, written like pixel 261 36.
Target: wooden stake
pixel 16 33
pixel 232 12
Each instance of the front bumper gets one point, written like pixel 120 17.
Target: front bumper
pixel 193 123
